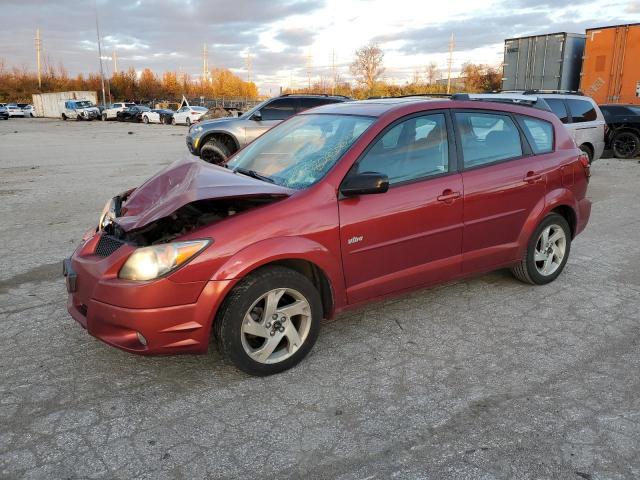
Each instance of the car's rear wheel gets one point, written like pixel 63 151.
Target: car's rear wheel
pixel 173 121
pixel 270 321
pixel 214 151
pixel 64 117
pixel 104 117
pixel 547 252
pixel 145 120
pixel 588 150
pixel 188 122
pixel 626 144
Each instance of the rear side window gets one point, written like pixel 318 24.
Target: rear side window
pixel 487 138
pixel 539 133
pixel 280 109
pixel 413 149
pixel 558 107
pixel 307 103
pixel 581 110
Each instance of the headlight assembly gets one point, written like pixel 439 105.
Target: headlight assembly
pixel 147 263
pixel 107 215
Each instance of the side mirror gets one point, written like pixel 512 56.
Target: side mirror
pixel 364 183
pixel 257 116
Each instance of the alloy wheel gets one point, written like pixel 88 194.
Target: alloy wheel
pixel 625 145
pixel 276 325
pixel 550 250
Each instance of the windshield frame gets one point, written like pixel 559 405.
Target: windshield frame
pixel 230 163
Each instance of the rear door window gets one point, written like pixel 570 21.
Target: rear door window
pixel 581 110
pixel 307 103
pixel 558 107
pixel 279 109
pixel 487 138
pixel 539 133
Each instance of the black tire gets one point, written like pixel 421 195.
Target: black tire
pixel 173 121
pixel 145 120
pixel 588 150
pixel 228 323
pixel 64 117
pixel 625 144
pixel 526 271
pixel 214 151
pixel 104 117
pixel 188 121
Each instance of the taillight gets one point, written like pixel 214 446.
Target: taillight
pixel 584 161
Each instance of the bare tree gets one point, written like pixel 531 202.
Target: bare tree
pixel 432 73
pixel 367 66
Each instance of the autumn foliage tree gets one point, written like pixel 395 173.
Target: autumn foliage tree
pixel 18 84
pixel 481 77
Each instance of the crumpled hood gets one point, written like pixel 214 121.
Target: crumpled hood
pixel 187 181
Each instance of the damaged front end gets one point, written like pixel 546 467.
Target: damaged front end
pixel 187 195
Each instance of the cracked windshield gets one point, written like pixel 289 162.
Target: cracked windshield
pixel 300 152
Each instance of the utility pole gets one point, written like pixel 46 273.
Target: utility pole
pixel 205 63
pixel 309 60
pixel 452 43
pixel 333 71
pixel 95 4
pixel 248 62
pixel 115 62
pixel 38 49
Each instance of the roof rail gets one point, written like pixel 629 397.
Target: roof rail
pixel 533 91
pixel 312 95
pixel 435 95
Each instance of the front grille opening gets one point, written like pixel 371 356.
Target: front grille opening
pixel 107 245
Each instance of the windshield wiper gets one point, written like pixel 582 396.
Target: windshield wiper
pixel 254 174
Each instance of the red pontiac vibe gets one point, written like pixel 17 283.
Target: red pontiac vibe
pixel 336 207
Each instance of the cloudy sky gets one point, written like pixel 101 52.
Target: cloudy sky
pixel 283 37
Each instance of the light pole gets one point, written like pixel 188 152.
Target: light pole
pixel 95 3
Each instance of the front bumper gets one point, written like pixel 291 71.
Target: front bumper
pixel 155 317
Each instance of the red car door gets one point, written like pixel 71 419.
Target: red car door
pixel 502 185
pixel 412 234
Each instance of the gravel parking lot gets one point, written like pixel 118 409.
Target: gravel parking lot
pixel 484 378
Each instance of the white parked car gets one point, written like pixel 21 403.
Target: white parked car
pixel 187 115
pixel 80 110
pixel 14 110
pixel 111 113
pixel 29 111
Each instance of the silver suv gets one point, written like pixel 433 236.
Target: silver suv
pixel 579 113
pixel 215 140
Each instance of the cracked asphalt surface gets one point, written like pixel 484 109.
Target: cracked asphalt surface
pixel 485 378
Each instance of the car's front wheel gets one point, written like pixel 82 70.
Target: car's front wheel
pixel 214 151
pixel 547 252
pixel 173 121
pixel 145 120
pixel 270 321
pixel 188 122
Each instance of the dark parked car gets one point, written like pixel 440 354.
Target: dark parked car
pixel 132 114
pixel 623 129
pixel 4 113
pixel 335 208
pixel 215 140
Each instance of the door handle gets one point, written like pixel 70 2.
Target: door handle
pixel 532 177
pixel 448 196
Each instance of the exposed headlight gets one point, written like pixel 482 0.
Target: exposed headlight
pixel 107 215
pixel 147 263
pixel 196 129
